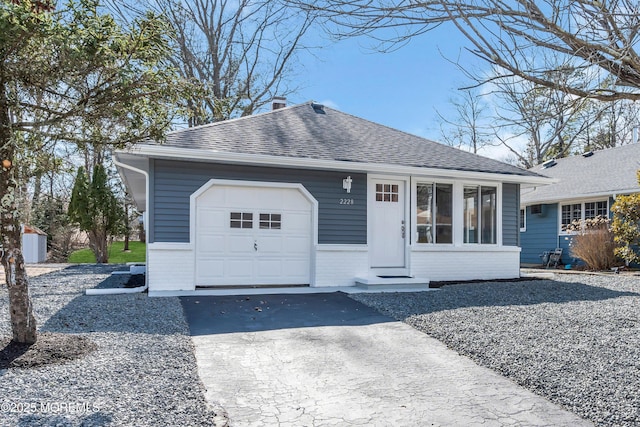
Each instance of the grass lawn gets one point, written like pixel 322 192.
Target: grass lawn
pixel 116 255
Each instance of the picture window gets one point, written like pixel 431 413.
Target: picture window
pixel 434 209
pixel 480 214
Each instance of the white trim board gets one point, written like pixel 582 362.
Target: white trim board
pixel 190 154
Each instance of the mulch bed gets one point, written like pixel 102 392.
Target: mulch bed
pixel 49 349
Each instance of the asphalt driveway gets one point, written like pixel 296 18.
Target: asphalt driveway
pixel 325 359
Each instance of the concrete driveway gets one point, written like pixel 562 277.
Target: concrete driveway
pixel 327 360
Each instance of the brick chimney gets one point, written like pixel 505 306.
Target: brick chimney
pixel 278 102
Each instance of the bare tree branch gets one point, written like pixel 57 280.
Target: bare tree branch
pixel 594 38
pixel 238 55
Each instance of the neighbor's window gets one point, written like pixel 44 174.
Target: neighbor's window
pixel 480 214
pixel 593 209
pixel 434 213
pixel 571 213
pixel 241 220
pixel 582 211
pixel 523 219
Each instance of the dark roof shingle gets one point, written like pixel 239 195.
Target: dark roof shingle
pixel 302 131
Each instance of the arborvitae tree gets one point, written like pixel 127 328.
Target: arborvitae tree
pixel 96 210
pixel 79 204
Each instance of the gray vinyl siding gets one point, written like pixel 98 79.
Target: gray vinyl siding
pixel 541 233
pixel 173 182
pixel 510 214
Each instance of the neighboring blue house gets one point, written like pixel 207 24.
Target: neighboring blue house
pixel 308 195
pixel 586 187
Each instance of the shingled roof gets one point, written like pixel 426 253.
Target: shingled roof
pixel 313 131
pixel 605 172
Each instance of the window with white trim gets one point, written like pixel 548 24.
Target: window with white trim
pixel 593 209
pixel 582 211
pixel 434 213
pixel 480 214
pixel 523 219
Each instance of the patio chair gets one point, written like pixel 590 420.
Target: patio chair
pixel 544 256
pixel 555 258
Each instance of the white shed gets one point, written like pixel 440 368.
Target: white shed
pixel 34 245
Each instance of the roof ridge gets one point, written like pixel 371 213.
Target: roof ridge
pixel 578 156
pixel 608 149
pixel 235 119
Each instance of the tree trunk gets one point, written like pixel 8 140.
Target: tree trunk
pixel 141 233
pixel 98 243
pixel 23 324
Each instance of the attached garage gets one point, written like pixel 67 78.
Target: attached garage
pixel 252 233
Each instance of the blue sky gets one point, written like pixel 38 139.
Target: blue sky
pixel 401 89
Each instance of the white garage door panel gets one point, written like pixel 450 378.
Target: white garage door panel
pixel 253 256
pixel 270 268
pixel 270 245
pixel 212 244
pixel 238 197
pixel 210 219
pixel 237 268
pixel 239 244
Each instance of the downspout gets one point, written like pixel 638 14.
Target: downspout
pixel 139 289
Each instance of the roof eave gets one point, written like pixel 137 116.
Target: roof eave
pixel 165 152
pixel 134 174
pixel 581 196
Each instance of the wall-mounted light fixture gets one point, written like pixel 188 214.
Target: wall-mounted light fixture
pixel 346 184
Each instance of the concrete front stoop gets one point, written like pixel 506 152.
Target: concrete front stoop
pixel 388 283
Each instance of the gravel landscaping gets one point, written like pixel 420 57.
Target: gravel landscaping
pixel 142 371
pixel 574 340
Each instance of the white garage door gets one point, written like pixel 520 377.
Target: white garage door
pixel 252 236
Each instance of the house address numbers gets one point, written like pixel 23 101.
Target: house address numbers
pixel 347 202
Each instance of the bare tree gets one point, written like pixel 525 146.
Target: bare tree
pixel 237 55
pixel 467 127
pixel 618 124
pixel 551 121
pixel 595 39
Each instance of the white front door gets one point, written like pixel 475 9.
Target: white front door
pixel 387 228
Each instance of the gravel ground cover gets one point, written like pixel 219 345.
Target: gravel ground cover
pixel 574 340
pixel 143 372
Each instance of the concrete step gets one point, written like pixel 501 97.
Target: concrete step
pixel 392 283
